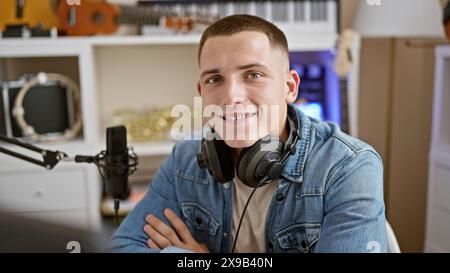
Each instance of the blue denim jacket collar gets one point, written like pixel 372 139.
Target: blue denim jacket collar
pixel 294 167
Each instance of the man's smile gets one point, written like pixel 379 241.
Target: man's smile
pixel 237 117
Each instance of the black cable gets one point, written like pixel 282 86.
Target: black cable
pixel 262 182
pixel 242 218
pixel 116 211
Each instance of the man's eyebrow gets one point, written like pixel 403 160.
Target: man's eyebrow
pixel 240 67
pixel 247 66
pixel 210 71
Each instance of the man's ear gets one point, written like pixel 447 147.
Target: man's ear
pixel 199 88
pixel 293 82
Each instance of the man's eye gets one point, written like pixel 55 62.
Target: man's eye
pixel 254 75
pixel 213 80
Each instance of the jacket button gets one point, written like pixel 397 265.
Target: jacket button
pixel 198 221
pixel 279 197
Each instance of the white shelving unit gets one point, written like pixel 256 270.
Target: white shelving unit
pixel 115 72
pixel 437 237
pixel 70 194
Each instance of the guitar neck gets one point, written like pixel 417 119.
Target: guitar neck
pixel 141 16
pixel 343 82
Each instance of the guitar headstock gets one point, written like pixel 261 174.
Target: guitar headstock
pixel 344 59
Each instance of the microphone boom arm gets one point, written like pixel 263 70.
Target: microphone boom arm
pixel 112 167
pixel 49 158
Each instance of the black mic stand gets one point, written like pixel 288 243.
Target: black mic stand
pixel 51 158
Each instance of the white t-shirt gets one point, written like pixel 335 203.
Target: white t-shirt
pixel 252 236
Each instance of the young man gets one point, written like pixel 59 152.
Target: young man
pixel 327 197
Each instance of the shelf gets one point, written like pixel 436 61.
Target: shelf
pixel 102 40
pixel 153 148
pixel 297 41
pixel 311 41
pixel 42 47
pixel 179 39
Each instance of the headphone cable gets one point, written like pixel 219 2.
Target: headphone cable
pixel 243 212
pixel 116 211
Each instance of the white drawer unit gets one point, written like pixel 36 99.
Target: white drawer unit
pixel 77 219
pixel 66 195
pixel 43 191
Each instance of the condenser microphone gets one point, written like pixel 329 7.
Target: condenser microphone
pixel 116 162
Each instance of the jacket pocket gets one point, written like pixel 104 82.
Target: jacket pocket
pixel 199 218
pixel 298 237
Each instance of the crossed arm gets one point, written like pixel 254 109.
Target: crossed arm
pixel 162 236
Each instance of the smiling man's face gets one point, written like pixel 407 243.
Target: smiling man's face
pixel 242 73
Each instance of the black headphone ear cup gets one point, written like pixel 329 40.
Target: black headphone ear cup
pixel 216 157
pixel 246 164
pixel 254 160
pixel 225 160
pixel 239 170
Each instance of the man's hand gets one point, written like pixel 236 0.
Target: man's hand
pixel 162 236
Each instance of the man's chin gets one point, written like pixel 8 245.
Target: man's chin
pixel 239 144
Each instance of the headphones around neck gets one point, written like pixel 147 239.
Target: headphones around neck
pixel 256 165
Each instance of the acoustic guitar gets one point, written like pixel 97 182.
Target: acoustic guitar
pixel 342 66
pixel 32 13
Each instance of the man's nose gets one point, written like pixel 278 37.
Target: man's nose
pixel 233 93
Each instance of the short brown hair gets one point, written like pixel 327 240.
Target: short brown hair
pixel 243 22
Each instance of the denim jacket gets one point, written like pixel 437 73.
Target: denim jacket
pixel 329 198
